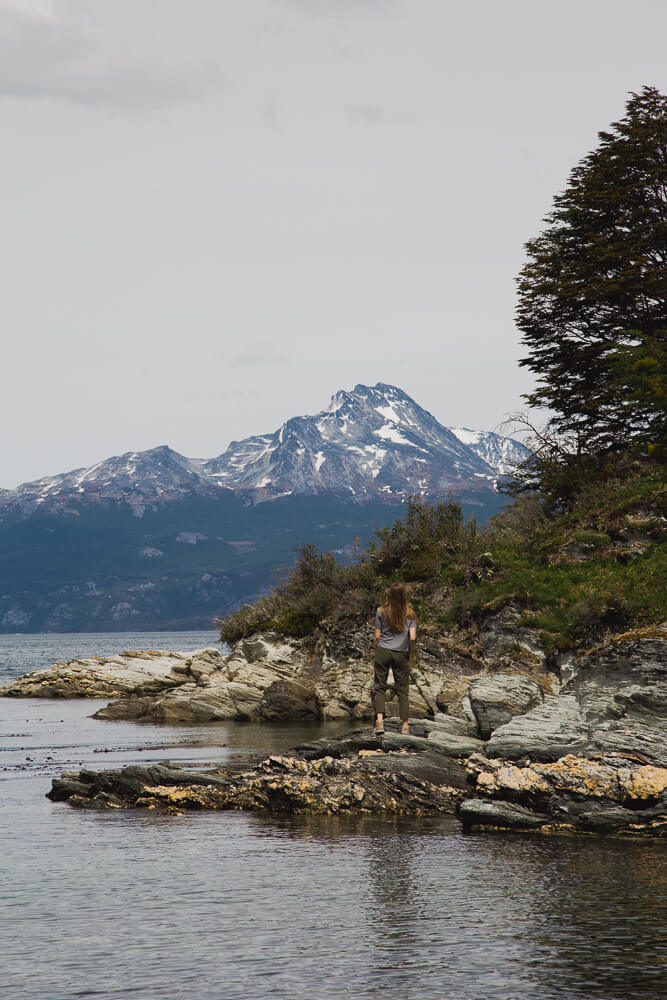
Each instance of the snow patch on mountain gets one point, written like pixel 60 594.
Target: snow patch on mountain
pixel 503 454
pixel 374 441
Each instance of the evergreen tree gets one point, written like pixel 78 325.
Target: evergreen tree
pixel 593 293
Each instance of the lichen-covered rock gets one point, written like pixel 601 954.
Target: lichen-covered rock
pixel 612 794
pixel 438 762
pixel 280 784
pixel 497 698
pixel 412 775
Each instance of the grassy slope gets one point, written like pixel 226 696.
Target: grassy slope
pixel 597 568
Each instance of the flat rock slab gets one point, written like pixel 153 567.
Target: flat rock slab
pixel 145 672
pixel 278 784
pixel 454 746
pixel 393 752
pixel 440 724
pixel 502 815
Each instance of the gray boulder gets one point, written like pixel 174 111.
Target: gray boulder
pixel 289 699
pixel 615 702
pixel 547 732
pixel 497 698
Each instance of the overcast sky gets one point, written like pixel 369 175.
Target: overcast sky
pixel 216 213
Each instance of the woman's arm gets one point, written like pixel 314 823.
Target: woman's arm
pixel 413 645
pixel 378 630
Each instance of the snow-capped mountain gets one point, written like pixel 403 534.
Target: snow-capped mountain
pixel 138 478
pixel 373 442
pixel 502 453
pixel 368 442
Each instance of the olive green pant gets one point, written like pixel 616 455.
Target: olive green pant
pixel 400 667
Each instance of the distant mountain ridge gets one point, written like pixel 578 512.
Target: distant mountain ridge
pixel 153 539
pixel 371 443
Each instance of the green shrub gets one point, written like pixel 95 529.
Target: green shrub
pixel 459 574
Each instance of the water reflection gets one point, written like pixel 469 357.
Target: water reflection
pixel 602 907
pixel 505 917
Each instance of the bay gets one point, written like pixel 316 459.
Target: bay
pixel 233 905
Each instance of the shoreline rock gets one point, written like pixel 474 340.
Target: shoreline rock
pixel 404 775
pixel 133 672
pixel 361 777
pixel 266 678
pixel 573 794
pixel 514 757
pixel 614 700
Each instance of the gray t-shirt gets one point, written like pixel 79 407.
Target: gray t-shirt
pixel 398 641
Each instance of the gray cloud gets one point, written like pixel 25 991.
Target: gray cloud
pixel 368 114
pixel 257 354
pixel 373 114
pixel 45 57
pixel 239 394
pixel 335 8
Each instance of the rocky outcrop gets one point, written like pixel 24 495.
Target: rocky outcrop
pixel 592 759
pixel 267 677
pixel 270 677
pixel 399 774
pixel 608 795
pixel 361 777
pixel 137 672
pixel 614 703
pixel 514 754
pixel 232 690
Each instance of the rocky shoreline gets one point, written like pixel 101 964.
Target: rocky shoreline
pixel 500 740
pixel 413 776
pixel 268 677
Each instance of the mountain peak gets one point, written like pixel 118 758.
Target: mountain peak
pixel 370 441
pixel 373 441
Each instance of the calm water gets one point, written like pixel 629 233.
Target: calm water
pixel 229 905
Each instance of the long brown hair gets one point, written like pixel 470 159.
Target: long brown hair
pixel 396 611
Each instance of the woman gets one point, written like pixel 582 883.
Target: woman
pixel 395 646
